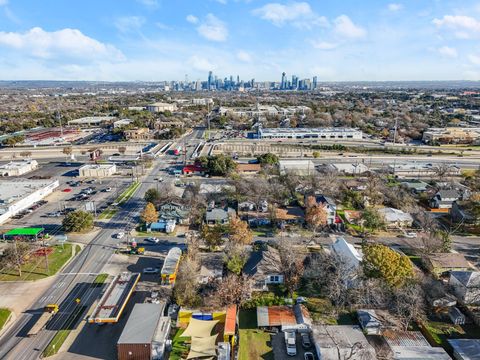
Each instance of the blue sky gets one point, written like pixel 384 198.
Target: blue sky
pixel 153 40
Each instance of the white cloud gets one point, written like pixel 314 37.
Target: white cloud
pixel 299 14
pixel 127 24
pixel 324 45
pixel 149 3
pixel 464 27
pixel 3 2
pixel 474 59
pixel 192 19
pixel 162 26
pixel 223 2
pixel 448 51
pixel 212 28
pixel 200 63
pixel 244 56
pixel 346 28
pixel 69 43
pixel 395 7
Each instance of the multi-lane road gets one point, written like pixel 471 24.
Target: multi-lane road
pixel 76 278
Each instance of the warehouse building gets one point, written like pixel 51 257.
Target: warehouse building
pixel 17 168
pixel 122 123
pixel 310 133
pixel 19 195
pixel 92 121
pixel 145 334
pixel 159 107
pixel 97 170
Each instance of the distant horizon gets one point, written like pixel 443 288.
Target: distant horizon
pixel 137 40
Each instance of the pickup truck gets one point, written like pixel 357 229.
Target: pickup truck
pixel 48 312
pixel 290 343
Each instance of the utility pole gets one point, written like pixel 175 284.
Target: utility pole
pixel 395 132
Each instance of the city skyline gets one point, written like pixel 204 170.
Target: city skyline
pixel 153 40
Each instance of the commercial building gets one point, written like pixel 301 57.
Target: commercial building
pixel 92 121
pixel 138 134
pixel 421 170
pixel 145 334
pixel 452 135
pixel 263 110
pixel 310 133
pixel 17 168
pixel 161 107
pixel 17 195
pixel 97 170
pixel 298 167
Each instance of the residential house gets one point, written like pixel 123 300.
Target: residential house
pixel 466 286
pixel 290 215
pixel 395 218
pixel 441 263
pixel 369 321
pixel 219 215
pixel 464 212
pixel 444 199
pixel 264 268
pixel 330 207
pixel 465 349
pixel 415 186
pixel 211 267
pixel 174 211
pixel 412 345
pixel 350 258
pixel 338 342
pixel 167 226
pixel 253 214
pixel 353 216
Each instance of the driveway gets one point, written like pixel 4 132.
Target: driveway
pixel 280 351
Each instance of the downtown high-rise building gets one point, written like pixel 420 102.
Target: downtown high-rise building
pixel 283 84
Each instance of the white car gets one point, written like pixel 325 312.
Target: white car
pixel 153 240
pixel 150 270
pixel 108 189
pixel 410 235
pixel 120 235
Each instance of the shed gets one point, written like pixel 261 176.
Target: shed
pixel 275 316
pixel 456 316
pixel 369 322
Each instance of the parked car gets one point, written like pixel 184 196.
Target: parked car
pixel 150 270
pixel 306 343
pixel 410 235
pixel 108 189
pixel 153 240
pixel 290 343
pixel 120 235
pixel 308 356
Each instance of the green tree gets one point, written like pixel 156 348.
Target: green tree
pixel 149 214
pixel 268 159
pixel 217 165
pixel 372 220
pixel 77 221
pixel 152 196
pixel 316 154
pixel 379 261
pixel 213 235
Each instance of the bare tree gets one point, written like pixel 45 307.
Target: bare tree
pixel 233 289
pixel 291 265
pixel 408 303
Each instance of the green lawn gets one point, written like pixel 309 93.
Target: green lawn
pixel 107 214
pixel 128 193
pixel 35 267
pixel 179 348
pixel 100 280
pixel 4 315
pixel 253 343
pixel 56 343
pixel 440 332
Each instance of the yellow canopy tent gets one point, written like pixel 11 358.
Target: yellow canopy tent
pixel 199 328
pixel 202 347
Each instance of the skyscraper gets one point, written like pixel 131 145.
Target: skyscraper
pixel 314 82
pixel 283 85
pixel 210 80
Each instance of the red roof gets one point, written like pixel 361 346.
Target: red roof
pixel 230 320
pixel 193 168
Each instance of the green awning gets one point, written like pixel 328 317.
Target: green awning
pixel 24 232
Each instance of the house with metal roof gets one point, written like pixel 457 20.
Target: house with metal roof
pixel 444 198
pixel 395 218
pixel 369 321
pixel 466 286
pixel 412 345
pixel 465 349
pixel 145 334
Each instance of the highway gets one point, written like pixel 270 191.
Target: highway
pixel 76 278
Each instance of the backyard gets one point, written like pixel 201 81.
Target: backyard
pixel 179 347
pixel 4 315
pixel 254 343
pixel 34 268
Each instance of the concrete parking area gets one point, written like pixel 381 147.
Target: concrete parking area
pixel 280 350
